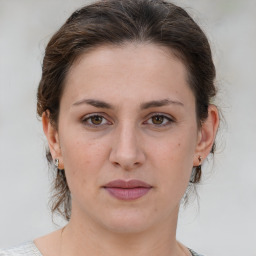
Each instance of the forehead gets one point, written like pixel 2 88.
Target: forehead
pixel 138 56
pixel 131 70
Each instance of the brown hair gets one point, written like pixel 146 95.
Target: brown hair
pixel 117 22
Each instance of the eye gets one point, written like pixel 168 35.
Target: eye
pixel 159 120
pixel 95 120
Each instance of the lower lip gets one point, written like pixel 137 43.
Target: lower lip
pixel 127 193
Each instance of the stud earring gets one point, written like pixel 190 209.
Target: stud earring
pixel 56 162
pixel 200 160
pixel 196 174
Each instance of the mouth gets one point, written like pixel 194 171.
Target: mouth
pixel 127 190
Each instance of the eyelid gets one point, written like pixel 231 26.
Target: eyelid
pixel 167 116
pixel 88 116
pixel 170 119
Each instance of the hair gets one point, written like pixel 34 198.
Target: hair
pixel 117 22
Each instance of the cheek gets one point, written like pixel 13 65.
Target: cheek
pixel 177 150
pixel 83 160
pixel 174 161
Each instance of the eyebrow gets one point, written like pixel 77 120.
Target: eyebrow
pixel 159 103
pixel 146 105
pixel 94 103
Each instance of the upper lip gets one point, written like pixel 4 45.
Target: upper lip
pixel 127 184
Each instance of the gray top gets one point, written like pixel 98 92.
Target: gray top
pixel 30 249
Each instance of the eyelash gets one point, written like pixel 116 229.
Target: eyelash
pixel 89 117
pixel 168 120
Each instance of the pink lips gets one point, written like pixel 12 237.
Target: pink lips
pixel 127 190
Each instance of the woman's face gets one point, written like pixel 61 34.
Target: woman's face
pixel 127 113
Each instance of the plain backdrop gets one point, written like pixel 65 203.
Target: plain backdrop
pixel 225 221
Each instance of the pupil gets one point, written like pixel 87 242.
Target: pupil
pixel 96 119
pixel 157 119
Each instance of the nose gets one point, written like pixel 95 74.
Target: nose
pixel 126 152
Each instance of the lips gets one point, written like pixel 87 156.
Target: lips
pixel 127 190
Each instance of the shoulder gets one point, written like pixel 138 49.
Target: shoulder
pixel 28 249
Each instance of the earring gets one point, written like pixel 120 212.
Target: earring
pixel 200 160
pixel 196 176
pixel 56 162
pixel 198 171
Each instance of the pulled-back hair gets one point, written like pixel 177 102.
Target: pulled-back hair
pixel 116 22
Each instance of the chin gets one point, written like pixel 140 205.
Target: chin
pixel 128 222
pixel 127 228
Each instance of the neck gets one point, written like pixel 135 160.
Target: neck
pixel 84 237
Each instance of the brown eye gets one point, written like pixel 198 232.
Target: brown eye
pixel 96 120
pixel 157 119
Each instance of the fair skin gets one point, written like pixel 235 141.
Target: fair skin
pixel 126 113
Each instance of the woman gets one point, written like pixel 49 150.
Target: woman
pixel 125 100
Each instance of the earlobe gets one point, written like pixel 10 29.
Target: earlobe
pixel 52 136
pixel 207 134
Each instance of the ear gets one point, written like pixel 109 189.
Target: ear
pixel 52 136
pixel 207 134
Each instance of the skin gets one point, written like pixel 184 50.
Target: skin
pixel 156 144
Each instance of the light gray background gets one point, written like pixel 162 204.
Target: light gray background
pixel 224 224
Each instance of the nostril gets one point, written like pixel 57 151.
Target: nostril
pixel 116 163
pixel 126 166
